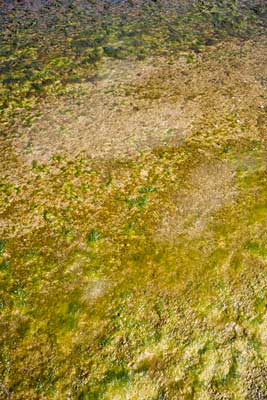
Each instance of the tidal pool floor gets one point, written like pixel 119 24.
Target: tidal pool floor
pixel 133 232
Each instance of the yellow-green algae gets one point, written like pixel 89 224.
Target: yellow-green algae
pixel 100 301
pixel 94 307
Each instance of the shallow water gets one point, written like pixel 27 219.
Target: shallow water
pixel 133 197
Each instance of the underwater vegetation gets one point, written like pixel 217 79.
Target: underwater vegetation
pixel 63 42
pixel 133 200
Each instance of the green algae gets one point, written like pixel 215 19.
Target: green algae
pixel 2 246
pixel 94 235
pixel 98 303
pixel 46 56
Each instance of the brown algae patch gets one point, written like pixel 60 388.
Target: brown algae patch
pixel 159 101
pixel 210 187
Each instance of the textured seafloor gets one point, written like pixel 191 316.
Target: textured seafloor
pixel 133 200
